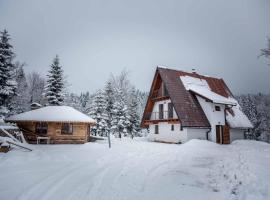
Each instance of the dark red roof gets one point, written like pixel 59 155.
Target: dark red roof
pixel 185 103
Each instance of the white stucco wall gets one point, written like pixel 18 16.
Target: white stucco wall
pixel 193 133
pixel 236 134
pixel 214 117
pixel 166 134
pixel 177 136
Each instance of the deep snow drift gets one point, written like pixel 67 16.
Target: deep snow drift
pixel 137 169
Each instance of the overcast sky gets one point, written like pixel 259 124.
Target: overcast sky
pixel 95 38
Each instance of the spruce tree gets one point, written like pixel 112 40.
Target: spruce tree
pixel 109 101
pixel 119 115
pixel 20 102
pixel 97 112
pixel 84 100
pixel 55 84
pixel 133 114
pixel 7 74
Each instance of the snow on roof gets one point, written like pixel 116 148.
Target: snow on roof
pixel 5 125
pixel 237 119
pixel 208 94
pixel 189 81
pixel 201 87
pixel 52 114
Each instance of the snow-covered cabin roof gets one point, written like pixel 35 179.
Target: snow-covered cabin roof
pixel 52 114
pixel 237 119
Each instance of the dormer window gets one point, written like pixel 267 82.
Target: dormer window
pixel 217 108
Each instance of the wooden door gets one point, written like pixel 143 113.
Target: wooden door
pixel 223 134
pixel 219 134
pixel 226 134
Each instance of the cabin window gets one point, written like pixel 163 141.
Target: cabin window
pixel 172 127
pixel 41 128
pixel 67 129
pixel 170 111
pixel 161 111
pixel 156 129
pixel 217 108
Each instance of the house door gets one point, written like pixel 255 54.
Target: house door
pixel 219 134
pixel 226 134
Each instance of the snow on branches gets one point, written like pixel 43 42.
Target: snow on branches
pixel 55 84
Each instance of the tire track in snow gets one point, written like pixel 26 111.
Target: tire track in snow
pixel 93 184
pixel 48 185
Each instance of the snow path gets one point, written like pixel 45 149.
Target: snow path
pixel 137 169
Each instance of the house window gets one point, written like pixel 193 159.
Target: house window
pixel 67 129
pixel 161 111
pixel 181 128
pixel 156 129
pixel 217 108
pixel 170 111
pixel 172 127
pixel 41 128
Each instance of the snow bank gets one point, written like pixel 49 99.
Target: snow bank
pixel 52 114
pixel 135 169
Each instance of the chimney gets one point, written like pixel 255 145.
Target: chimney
pixel 194 71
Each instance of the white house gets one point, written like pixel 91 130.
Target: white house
pixel 183 106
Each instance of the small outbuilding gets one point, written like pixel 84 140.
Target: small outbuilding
pixel 56 124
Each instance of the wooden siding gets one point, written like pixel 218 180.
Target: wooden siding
pixel 79 135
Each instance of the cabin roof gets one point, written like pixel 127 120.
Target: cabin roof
pixel 182 88
pixel 52 114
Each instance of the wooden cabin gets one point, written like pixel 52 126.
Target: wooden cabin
pixel 182 106
pixel 54 125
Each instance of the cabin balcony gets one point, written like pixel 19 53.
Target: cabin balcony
pixel 158 95
pixel 155 117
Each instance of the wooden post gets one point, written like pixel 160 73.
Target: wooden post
pixel 109 140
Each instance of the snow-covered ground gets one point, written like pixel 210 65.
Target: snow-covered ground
pixel 137 169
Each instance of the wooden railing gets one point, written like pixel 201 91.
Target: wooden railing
pixel 160 115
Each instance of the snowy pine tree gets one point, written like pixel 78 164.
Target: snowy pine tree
pixel 73 100
pixel 20 102
pixel 7 74
pixel 109 101
pixel 133 114
pixel 55 84
pixel 98 112
pixel 119 115
pixel 84 100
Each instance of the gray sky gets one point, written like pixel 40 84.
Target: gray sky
pixel 95 38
